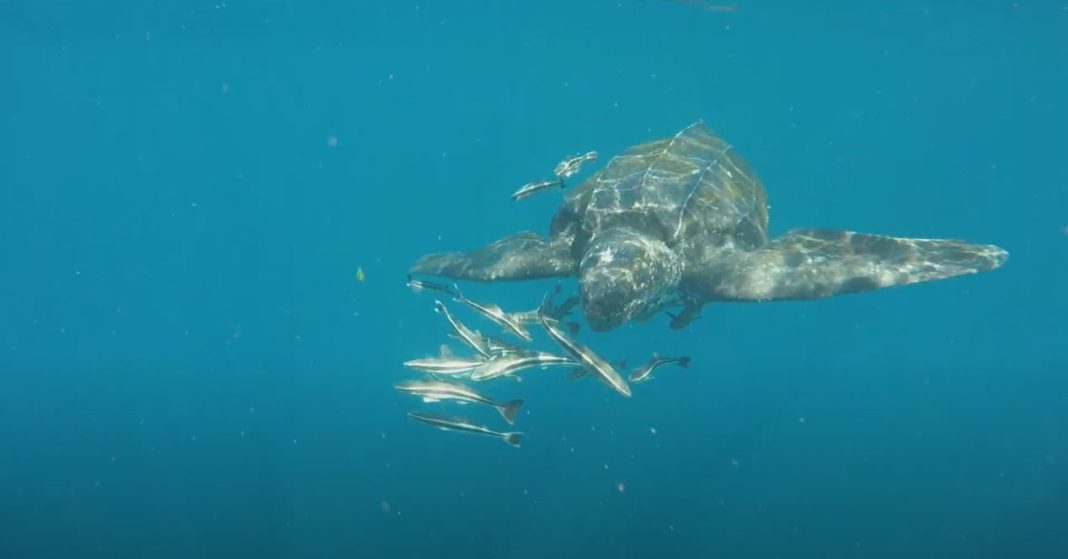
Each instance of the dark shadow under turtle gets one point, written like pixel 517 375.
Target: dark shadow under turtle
pixel 681 222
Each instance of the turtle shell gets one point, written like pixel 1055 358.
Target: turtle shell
pixel 692 186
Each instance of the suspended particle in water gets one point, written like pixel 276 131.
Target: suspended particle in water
pixel 332 141
pixel 620 487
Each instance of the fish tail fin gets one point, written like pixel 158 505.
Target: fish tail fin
pixel 563 184
pixel 513 438
pixel 576 373
pixel 510 409
pixel 684 361
pixel 435 377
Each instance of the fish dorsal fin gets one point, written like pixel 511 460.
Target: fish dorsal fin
pixel 445 351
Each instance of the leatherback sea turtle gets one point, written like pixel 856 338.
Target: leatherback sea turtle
pixel 681 222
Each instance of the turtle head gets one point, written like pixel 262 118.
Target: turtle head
pixel 626 275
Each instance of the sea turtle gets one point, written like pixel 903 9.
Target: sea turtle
pixel 681 222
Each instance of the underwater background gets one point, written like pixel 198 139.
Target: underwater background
pixel 192 368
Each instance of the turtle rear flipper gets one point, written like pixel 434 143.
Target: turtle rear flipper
pixel 522 256
pixel 817 263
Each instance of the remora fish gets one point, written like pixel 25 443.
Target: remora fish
pixel 434 391
pixel 583 354
pixel 462 425
pixel 505 365
pixel 571 165
pixel 556 315
pixel 463 333
pixel 420 285
pixel 645 372
pixel 532 188
pixel 688 314
pixel 500 347
pixel 494 313
pixel 445 364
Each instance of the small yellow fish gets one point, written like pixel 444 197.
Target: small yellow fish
pixel 359 274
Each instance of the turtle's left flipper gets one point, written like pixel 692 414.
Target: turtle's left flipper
pixel 816 263
pixel 522 256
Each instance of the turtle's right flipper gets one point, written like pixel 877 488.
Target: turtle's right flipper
pixel 816 263
pixel 522 256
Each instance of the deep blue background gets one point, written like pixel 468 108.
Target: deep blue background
pixel 190 369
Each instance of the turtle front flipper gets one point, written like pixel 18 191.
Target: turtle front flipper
pixel 522 256
pixel 816 263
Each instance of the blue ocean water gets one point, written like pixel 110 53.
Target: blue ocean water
pixel 192 369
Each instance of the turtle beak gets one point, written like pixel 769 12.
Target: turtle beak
pixel 600 322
